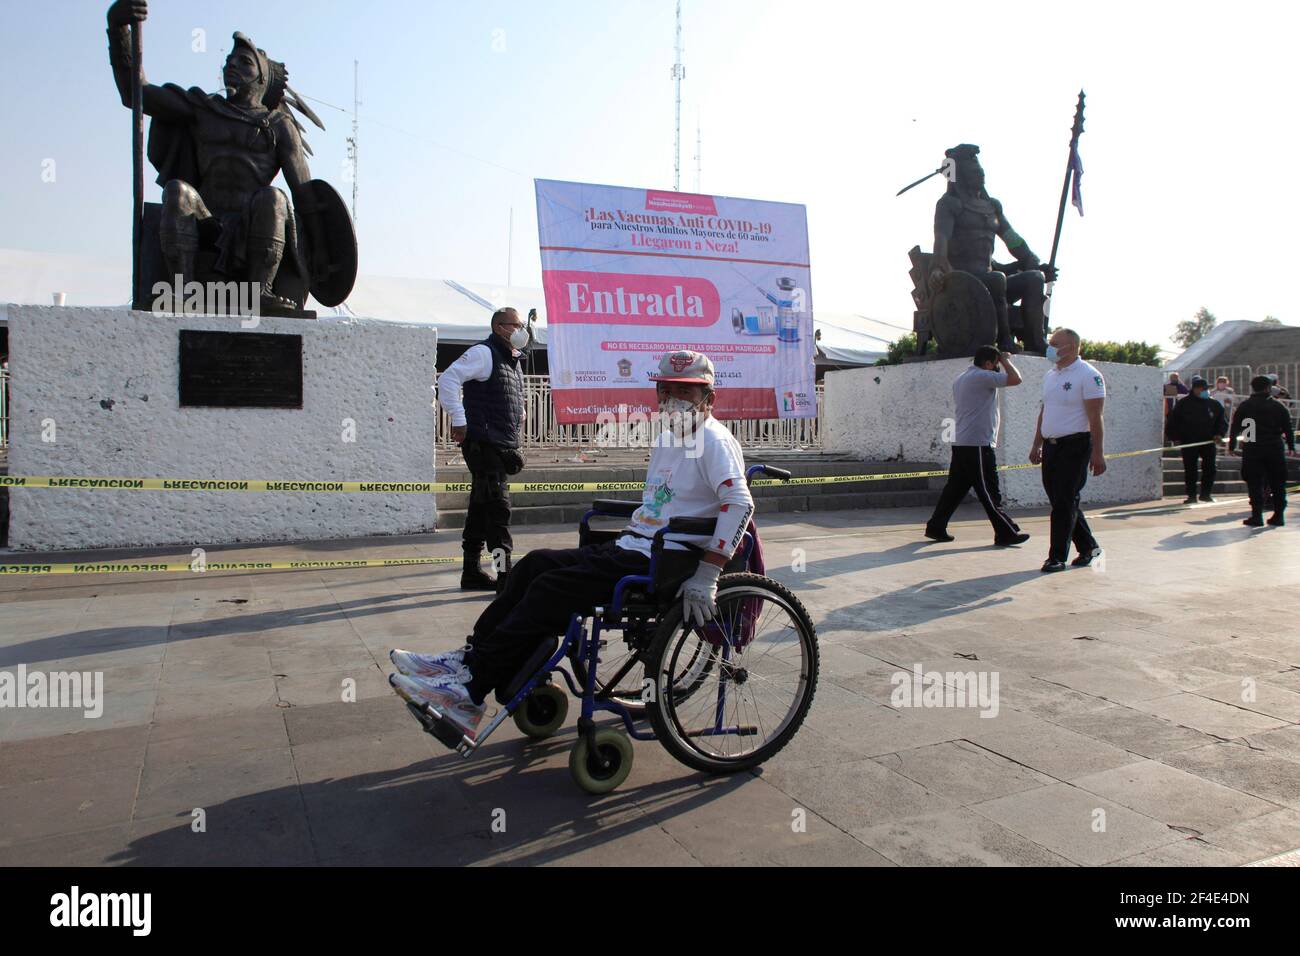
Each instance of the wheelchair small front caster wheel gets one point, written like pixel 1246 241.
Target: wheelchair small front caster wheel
pixel 542 712
pixel 602 767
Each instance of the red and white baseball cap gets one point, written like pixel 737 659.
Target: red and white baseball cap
pixel 685 366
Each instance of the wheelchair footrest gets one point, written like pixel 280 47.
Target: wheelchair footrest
pixel 446 732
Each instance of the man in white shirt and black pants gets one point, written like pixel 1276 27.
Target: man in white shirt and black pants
pixel 483 392
pixel 1068 441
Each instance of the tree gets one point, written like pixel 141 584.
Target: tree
pixel 1194 329
pixel 902 348
pixel 1130 353
pixel 1271 320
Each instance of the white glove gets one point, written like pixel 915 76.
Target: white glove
pixel 699 594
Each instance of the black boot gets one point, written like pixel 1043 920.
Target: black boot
pixel 1277 520
pixel 1256 520
pixel 503 572
pixel 472 577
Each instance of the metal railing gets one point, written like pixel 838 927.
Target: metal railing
pixel 542 429
pixel 1288 375
pixel 1238 376
pixel 4 408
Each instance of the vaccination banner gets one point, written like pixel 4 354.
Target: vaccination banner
pixel 630 274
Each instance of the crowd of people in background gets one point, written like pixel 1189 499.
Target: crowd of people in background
pixel 1258 429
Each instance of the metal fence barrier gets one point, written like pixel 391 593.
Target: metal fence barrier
pixel 4 408
pixel 1239 376
pixel 542 429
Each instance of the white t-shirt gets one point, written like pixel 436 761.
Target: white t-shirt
pixel 682 481
pixel 1063 393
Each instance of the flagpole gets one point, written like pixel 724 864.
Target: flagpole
pixel 1075 131
pixel 137 159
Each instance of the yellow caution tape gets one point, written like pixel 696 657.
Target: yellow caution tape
pixel 197 567
pixel 436 487
pixel 194 567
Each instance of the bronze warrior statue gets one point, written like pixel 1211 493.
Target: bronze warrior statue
pixel 966 220
pixel 217 157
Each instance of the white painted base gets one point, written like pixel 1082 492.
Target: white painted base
pixel 103 384
pixel 898 413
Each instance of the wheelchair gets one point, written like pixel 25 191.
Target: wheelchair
pixel 721 697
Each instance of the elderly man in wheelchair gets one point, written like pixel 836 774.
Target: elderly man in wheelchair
pixel 696 470
pixel 720 659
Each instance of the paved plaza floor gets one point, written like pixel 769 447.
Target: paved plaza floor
pixel 1147 712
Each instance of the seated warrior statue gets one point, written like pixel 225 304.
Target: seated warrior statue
pixel 966 219
pixel 217 157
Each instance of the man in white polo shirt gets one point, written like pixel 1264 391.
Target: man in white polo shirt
pixel 1068 442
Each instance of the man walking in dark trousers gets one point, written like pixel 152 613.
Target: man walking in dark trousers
pixel 485 423
pixel 1262 423
pixel 1197 418
pixel 1068 442
pixel 975 393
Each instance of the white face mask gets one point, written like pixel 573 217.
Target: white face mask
pixel 680 406
pixel 519 338
pixel 681 416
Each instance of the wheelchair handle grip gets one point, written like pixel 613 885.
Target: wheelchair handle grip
pixel 770 471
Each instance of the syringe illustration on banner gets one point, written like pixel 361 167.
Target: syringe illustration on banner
pixel 781 318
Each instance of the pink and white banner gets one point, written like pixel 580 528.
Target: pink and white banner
pixel 630 274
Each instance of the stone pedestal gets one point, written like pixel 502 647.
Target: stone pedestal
pixel 95 393
pixel 899 413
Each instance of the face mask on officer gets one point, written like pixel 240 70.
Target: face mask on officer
pixel 519 338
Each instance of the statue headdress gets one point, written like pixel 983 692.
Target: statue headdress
pixel 959 153
pixel 279 95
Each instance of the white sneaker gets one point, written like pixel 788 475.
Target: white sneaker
pixel 443 697
pixel 448 664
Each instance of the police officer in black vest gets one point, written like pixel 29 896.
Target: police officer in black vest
pixel 1197 418
pixel 486 425
pixel 1262 424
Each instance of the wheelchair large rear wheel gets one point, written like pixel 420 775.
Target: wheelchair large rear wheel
pixel 752 693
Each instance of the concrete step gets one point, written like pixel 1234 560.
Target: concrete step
pixel 1177 489
pixel 529 514
pixel 804 467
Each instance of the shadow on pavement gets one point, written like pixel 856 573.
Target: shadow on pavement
pixel 924 601
pixel 1205 539
pixel 101 640
pixel 866 561
pixel 434 812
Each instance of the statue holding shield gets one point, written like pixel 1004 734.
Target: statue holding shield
pixel 217 156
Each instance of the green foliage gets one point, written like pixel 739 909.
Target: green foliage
pixel 1194 329
pixel 1271 320
pixel 1130 353
pixel 903 347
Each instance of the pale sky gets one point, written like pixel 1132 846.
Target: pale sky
pixel 1188 139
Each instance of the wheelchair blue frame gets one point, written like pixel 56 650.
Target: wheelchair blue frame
pixel 588 645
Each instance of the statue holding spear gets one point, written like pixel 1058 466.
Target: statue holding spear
pixel 967 221
pixel 217 157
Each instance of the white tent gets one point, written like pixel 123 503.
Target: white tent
pixel 460 310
